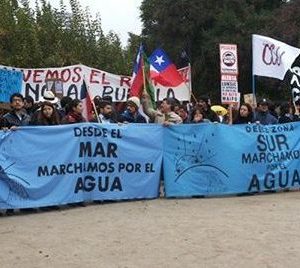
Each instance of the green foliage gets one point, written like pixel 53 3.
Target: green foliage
pixel 48 37
pixel 199 26
pixel 45 36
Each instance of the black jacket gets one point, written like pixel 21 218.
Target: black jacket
pixel 11 119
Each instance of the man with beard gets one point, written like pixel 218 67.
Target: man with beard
pixel 165 115
pixel 106 115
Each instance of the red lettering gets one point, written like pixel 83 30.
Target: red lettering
pixel 51 75
pixel 126 80
pixel 65 75
pixel 271 55
pixel 26 75
pixel 77 72
pixel 36 75
pixel 103 80
pixel 94 73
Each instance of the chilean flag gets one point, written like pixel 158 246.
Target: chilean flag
pixel 86 102
pixel 137 76
pixel 163 71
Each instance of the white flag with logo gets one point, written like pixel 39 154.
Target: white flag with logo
pixel 272 58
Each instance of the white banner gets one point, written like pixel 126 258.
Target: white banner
pixel 228 59
pixel 181 93
pixel 229 89
pixel 272 58
pixel 70 78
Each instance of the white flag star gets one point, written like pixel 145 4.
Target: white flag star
pixel 159 60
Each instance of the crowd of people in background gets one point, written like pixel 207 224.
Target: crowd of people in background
pixel 52 111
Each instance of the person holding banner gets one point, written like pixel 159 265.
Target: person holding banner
pixel 245 114
pixel 18 116
pixel 47 116
pixel 198 117
pixel 296 107
pixel 64 102
pixel 106 112
pixel 29 105
pixel 132 114
pixel 204 103
pixel 287 115
pixel 74 113
pixel 263 115
pixel 183 113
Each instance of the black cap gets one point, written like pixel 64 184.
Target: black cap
pixel 263 102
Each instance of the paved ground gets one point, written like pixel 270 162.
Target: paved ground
pixel 254 231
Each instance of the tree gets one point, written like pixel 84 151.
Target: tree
pixel 48 36
pixel 199 26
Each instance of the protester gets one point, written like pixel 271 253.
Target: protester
pixel 66 100
pixel 47 97
pixel 74 113
pixel 165 115
pixel 204 103
pixel 47 115
pixel 198 117
pixel 132 114
pixel 18 116
pixel 262 115
pixel 97 100
pixel 245 115
pixel 183 113
pixel 114 106
pixel 106 113
pixel 287 115
pixel 297 106
pixel 273 108
pixel 13 119
pixel 29 105
pixel 176 106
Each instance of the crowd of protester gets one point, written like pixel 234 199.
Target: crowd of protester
pixel 52 111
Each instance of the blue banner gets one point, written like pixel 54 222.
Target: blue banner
pixel 216 159
pixel 43 166
pixel 10 82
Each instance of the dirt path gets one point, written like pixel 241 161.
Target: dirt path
pixel 255 231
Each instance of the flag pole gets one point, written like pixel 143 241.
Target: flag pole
pixel 195 99
pixel 190 82
pixel 253 87
pixel 92 101
pixel 94 106
pixel 253 77
pixel 144 80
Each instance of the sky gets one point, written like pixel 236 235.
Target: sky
pixel 121 16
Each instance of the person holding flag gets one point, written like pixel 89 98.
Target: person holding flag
pixel 162 71
pixel 165 115
pixel 141 82
pixel 142 85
